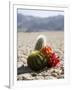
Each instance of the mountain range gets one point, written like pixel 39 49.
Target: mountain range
pixel 33 24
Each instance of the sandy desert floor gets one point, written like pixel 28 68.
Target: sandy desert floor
pixel 26 43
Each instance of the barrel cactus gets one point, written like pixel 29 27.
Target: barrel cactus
pixel 40 42
pixel 36 61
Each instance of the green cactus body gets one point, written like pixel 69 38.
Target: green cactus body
pixel 36 61
pixel 41 42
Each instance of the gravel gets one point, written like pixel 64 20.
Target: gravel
pixel 26 42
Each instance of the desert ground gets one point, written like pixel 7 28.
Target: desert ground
pixel 25 44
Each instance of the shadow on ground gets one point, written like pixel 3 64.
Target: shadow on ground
pixel 23 69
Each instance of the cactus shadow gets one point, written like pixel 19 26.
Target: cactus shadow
pixel 23 69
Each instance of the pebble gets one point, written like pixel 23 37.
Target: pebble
pixel 34 74
pixel 26 76
pixel 60 77
pixel 39 78
pixel 25 46
pixel 54 74
pixel 24 60
pixel 49 77
pixel 19 64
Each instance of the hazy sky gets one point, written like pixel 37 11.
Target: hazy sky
pixel 40 13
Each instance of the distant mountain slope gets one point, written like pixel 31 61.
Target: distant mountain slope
pixel 32 24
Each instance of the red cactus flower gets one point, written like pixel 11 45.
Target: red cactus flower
pixel 53 60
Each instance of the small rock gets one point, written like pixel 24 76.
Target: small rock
pixel 49 77
pixel 27 76
pixel 46 73
pixel 60 77
pixel 57 71
pixel 54 74
pixel 24 60
pixel 39 78
pixel 19 64
pixel 34 74
pixel 19 77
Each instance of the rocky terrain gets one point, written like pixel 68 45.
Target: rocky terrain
pixel 25 44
